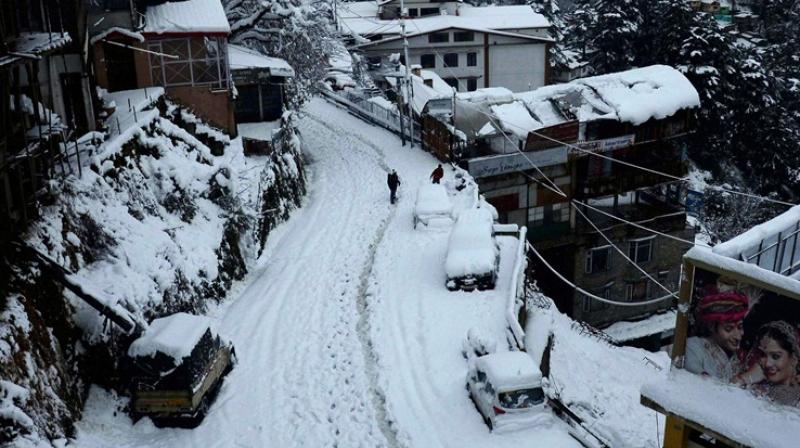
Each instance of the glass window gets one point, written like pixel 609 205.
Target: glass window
pixel 636 291
pixel 472 59
pixel 438 37
pixel 536 216
pixel 463 36
pixel 598 259
pixel 472 84
pixel 452 82
pixel 451 59
pixel 641 251
pixel 199 61
pixel 427 60
pixel 561 212
pixel 413 12
pixel 521 399
pixel 429 12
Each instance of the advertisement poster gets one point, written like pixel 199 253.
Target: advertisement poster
pixel 744 335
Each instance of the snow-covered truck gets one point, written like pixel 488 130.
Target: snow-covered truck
pixel 178 365
pixel 473 256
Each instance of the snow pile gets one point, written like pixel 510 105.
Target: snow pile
pixel 175 336
pixel 186 17
pixel 515 119
pixel 472 248
pixel 750 421
pixel 628 331
pixel 510 370
pixel 490 95
pixel 596 380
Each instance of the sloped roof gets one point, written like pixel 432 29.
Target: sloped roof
pixel 242 58
pixel 186 17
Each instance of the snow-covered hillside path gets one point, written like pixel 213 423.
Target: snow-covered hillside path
pixel 345 333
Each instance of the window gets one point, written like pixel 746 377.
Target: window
pixel 598 259
pixel 413 12
pixel 472 84
pixel 463 36
pixel 472 59
pixel 451 59
pixel 427 61
pixel 591 304
pixel 536 216
pixel 436 38
pixel 200 62
pixel 429 12
pixel 641 250
pixel 561 212
pixel 452 82
pixel 637 291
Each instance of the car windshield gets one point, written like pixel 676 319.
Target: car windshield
pixel 520 399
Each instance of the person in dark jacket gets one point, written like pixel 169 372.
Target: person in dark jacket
pixel 437 174
pixel 393 180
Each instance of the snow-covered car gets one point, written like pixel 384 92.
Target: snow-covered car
pixel 177 366
pixel 473 256
pixel 507 390
pixel 432 205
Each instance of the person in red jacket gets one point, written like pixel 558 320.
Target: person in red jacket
pixel 437 174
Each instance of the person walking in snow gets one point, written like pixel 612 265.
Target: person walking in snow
pixel 393 180
pixel 437 174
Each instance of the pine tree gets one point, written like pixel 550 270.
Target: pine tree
pixel 550 10
pixel 613 35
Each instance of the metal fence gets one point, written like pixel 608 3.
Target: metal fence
pixel 778 253
pixel 358 103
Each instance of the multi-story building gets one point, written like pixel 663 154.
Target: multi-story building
pixel 469 47
pixel 181 46
pixel 45 101
pixel 635 117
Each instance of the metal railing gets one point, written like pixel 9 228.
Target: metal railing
pixel 358 103
pixel 778 253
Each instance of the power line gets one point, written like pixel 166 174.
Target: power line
pixel 637 225
pixel 593 296
pixel 608 240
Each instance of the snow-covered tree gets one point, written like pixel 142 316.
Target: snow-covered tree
pixel 613 35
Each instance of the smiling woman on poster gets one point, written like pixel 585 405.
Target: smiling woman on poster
pixel 776 370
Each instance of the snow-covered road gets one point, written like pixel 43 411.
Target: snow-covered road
pixel 345 333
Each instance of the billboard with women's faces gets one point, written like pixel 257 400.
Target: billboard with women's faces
pixel 746 336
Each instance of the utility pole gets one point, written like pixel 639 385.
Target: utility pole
pixel 408 90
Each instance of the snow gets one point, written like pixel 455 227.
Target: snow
pixel 383 102
pixel 422 92
pixel 362 18
pixel 259 131
pixel 510 370
pixel 633 96
pixel 628 331
pixel 116 30
pixel 515 119
pixel 471 249
pixel 747 243
pixel 707 256
pixel 491 95
pixel 186 17
pixel 34 44
pixel 750 420
pixel 432 200
pixel 345 333
pixel 175 336
pixel 240 58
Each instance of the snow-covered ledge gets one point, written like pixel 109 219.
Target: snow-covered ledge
pixel 517 289
pixel 729 411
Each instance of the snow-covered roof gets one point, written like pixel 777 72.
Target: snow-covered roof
pixel 471 248
pixel 34 44
pixel 510 370
pixel 188 16
pixel 422 92
pixel 515 119
pixel 628 331
pixel 362 18
pixel 750 420
pixel 175 336
pixel 243 58
pixel 490 95
pixel 115 30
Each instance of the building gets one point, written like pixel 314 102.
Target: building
pixel 469 47
pixel 181 46
pixel 47 102
pixel 259 82
pixel 633 116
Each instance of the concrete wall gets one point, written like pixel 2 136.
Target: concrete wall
pixel 516 66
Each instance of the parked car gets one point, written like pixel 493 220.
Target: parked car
pixel 178 365
pixel 432 206
pixel 473 256
pixel 506 388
